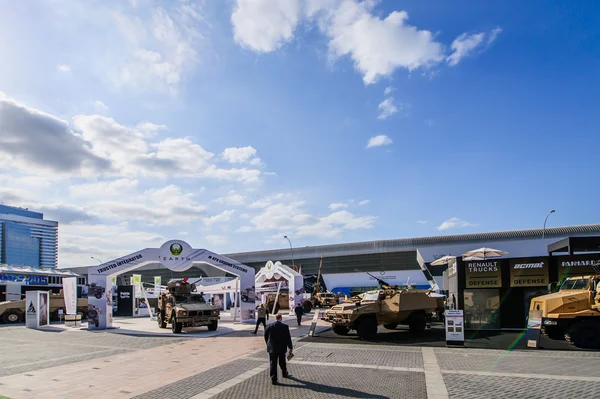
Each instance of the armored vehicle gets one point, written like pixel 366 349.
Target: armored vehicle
pixel 14 311
pixel 318 298
pixel 182 307
pixel 572 313
pixel 283 302
pixel 389 306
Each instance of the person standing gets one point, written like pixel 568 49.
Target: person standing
pixel 278 340
pixel 299 310
pixel 262 317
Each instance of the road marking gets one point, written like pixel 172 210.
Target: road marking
pixel 436 388
pixel 523 375
pixel 232 382
pixel 75 355
pixel 348 365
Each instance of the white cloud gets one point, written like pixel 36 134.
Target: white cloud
pixel 232 198
pixel 379 141
pixel 264 25
pixel 337 206
pixel 365 202
pixel 241 155
pixel 63 68
pixel 387 108
pixel 454 222
pixel 150 129
pixel 216 240
pixel 388 90
pixel 465 44
pixel 377 46
pixel 104 189
pixel 421 222
pixel 100 106
pixel 222 217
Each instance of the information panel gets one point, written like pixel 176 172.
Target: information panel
pixel 455 327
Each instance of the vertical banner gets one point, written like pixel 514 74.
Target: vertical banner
pixel 137 285
pixel 70 294
pixel 455 327
pixel 32 307
pixel 113 281
pixel 44 312
pixel 157 284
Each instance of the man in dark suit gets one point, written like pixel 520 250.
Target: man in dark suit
pixel 278 339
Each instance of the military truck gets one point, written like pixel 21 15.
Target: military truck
pixel 318 298
pixel 283 302
pixel 572 313
pixel 14 311
pixel 389 306
pixel 181 307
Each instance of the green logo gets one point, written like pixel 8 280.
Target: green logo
pixel 176 249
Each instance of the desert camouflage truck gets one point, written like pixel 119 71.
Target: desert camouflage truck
pixel 181 307
pixel 14 311
pixel 389 306
pixel 572 313
pixel 283 302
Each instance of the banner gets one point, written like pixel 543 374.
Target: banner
pixel 483 274
pixel 37 309
pixel 157 281
pixel 529 272
pixel 137 284
pixel 70 294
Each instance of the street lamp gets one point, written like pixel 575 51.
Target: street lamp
pixel 545 220
pixel 291 249
pixel 97 259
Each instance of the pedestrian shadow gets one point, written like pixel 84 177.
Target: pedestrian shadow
pixel 346 392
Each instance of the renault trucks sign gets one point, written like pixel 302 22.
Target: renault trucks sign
pixel 483 274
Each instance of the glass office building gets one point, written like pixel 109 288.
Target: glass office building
pixel 26 239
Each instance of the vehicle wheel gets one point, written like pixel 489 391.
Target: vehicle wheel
pixel 391 326
pixel 367 328
pixel 213 325
pixel 417 322
pixel 161 322
pixel 553 332
pixel 584 334
pixel 307 306
pixel 12 317
pixel 341 330
pixel 175 326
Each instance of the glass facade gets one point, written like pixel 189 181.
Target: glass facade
pixel 481 309
pixel 26 239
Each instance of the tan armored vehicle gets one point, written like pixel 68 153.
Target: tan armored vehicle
pixel 283 302
pixel 573 312
pixel 318 298
pixel 388 306
pixel 14 311
pixel 181 307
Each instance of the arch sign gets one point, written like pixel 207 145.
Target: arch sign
pixel 176 255
pixel 276 271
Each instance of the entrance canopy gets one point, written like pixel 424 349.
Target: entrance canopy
pixel 276 272
pixel 176 255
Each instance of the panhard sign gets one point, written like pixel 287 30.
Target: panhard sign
pixel 577 264
pixel 529 272
pixel 483 274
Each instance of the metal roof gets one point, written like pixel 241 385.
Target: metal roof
pixel 411 244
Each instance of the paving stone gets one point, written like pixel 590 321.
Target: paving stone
pixel 496 387
pixel 322 382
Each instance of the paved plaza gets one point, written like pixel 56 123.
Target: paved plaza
pixel 67 363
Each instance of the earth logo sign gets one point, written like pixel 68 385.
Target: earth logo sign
pixel 177 255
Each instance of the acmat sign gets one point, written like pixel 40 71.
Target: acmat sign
pixel 529 272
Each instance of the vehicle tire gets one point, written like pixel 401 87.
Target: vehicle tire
pixel 390 326
pixel 175 326
pixel 12 317
pixel 341 330
pixel 553 332
pixel 161 321
pixel 584 334
pixel 367 328
pixel 417 322
pixel 213 325
pixel 307 306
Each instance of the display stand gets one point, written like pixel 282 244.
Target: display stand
pixel 37 309
pixel 455 328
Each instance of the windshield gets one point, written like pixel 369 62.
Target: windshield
pixel 370 296
pixel 575 284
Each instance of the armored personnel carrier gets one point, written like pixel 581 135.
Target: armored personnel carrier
pixel 572 313
pixel 14 311
pixel 389 306
pixel 181 307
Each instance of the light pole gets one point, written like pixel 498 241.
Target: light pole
pixel 545 220
pixel 291 249
pixel 97 259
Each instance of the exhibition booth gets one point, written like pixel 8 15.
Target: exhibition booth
pixel 275 276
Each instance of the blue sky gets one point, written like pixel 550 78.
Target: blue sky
pixel 231 124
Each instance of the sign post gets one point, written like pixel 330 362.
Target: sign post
pixel 70 294
pixel 313 325
pixel 455 328
pixel 534 324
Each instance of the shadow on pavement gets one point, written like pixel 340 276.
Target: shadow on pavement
pixel 346 392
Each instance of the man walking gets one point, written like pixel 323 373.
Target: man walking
pixel 278 339
pixel 262 317
pixel 299 310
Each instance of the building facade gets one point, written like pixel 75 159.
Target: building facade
pixel 27 239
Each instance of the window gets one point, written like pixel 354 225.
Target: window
pixel 371 296
pixel 575 284
pixel 481 309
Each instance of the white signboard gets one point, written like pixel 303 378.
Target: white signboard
pixel 70 294
pixel 455 326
